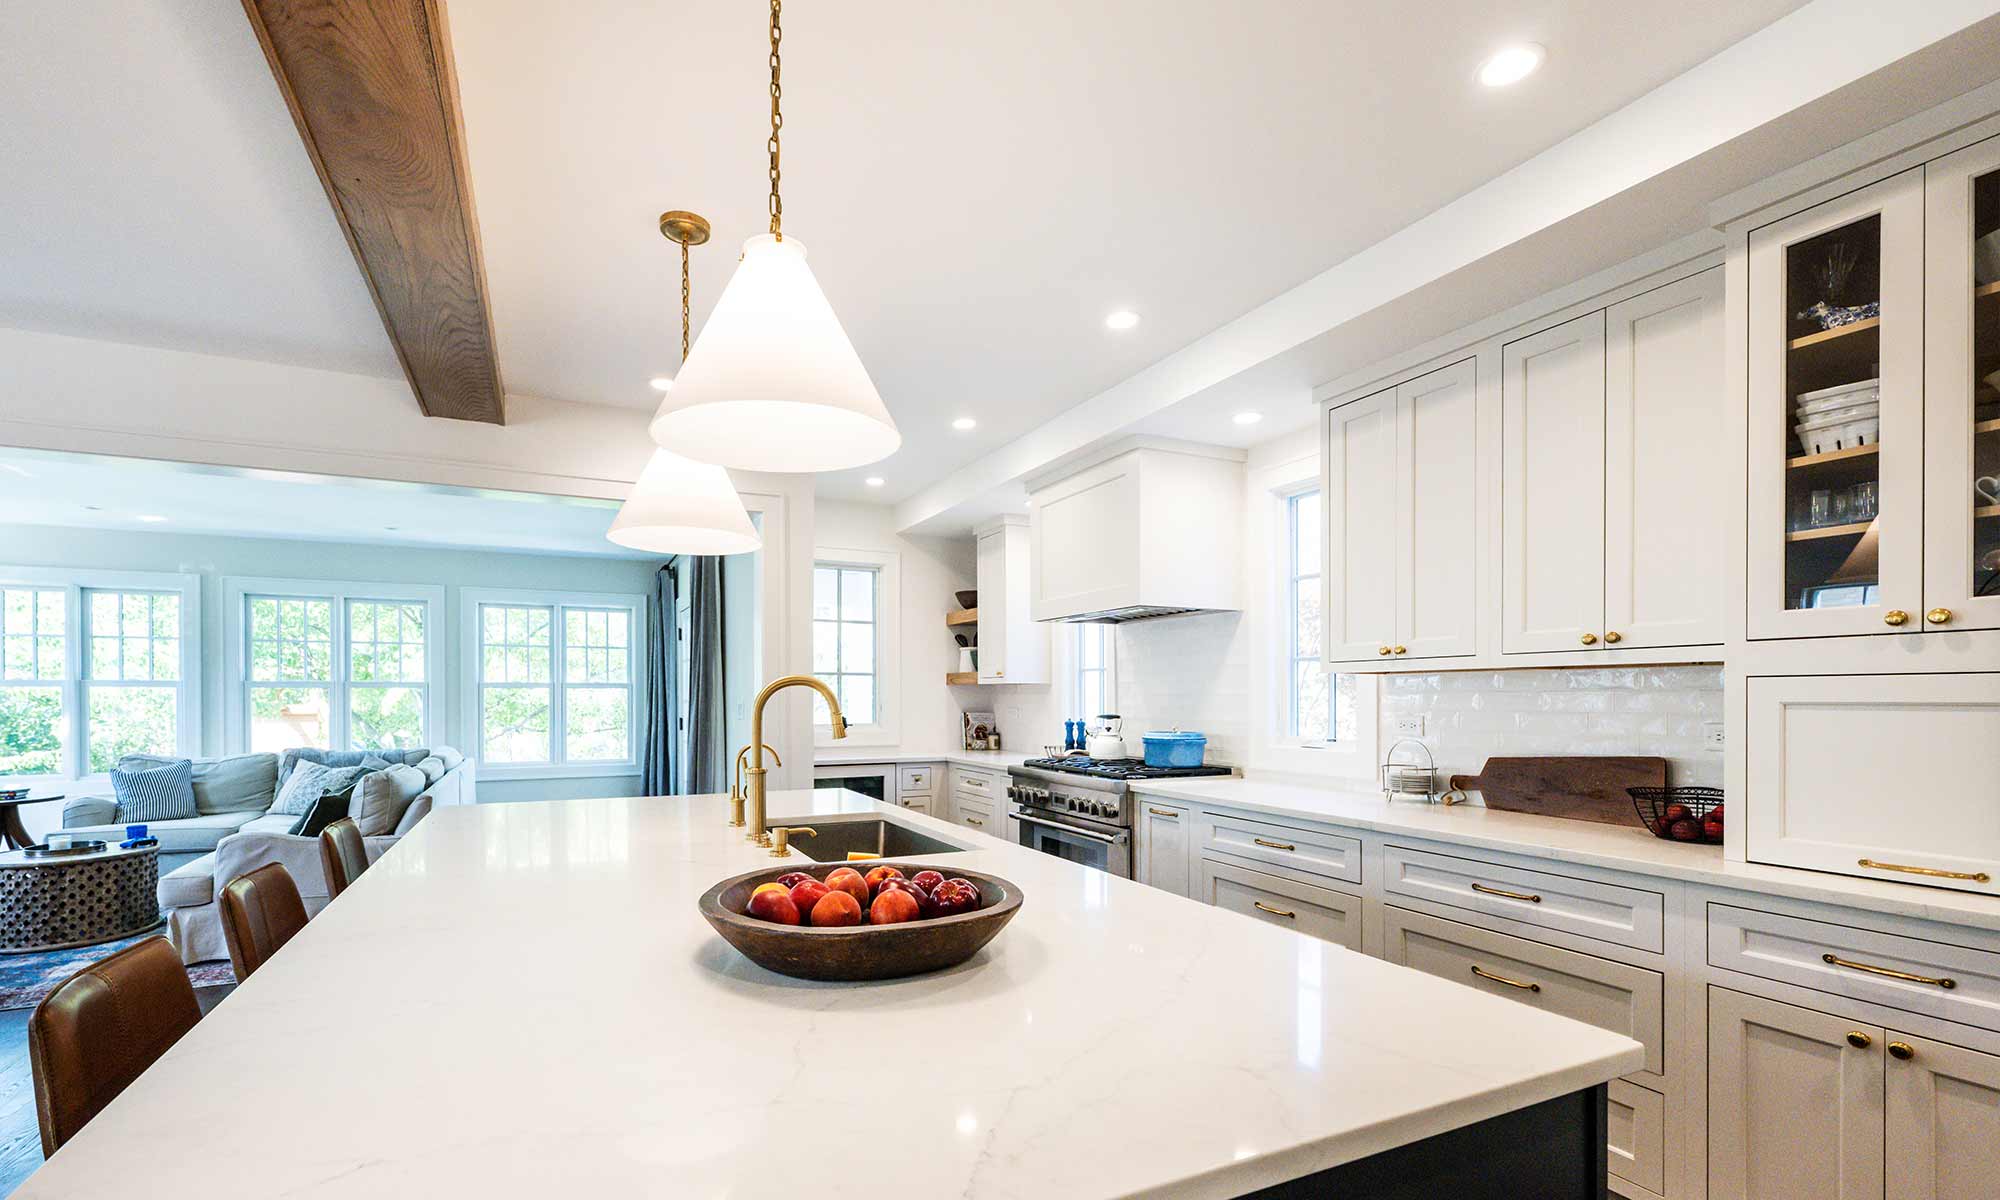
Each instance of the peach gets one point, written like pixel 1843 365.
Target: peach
pixel 837 908
pixel 806 894
pixel 874 879
pixel 893 906
pixel 773 903
pixel 849 880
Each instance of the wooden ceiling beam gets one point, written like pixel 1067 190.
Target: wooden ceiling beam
pixel 371 86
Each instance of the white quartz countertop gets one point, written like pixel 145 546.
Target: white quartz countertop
pixel 992 760
pixel 521 1000
pixel 1615 847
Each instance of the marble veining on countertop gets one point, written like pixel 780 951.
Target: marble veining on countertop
pixel 521 1000
pixel 1615 847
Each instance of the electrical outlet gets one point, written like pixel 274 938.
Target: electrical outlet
pixel 1412 726
pixel 1711 737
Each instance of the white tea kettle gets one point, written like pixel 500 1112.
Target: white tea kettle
pixel 1106 740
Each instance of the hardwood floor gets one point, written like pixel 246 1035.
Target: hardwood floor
pixel 20 1137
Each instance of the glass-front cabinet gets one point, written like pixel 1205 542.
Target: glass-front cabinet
pixel 1962 390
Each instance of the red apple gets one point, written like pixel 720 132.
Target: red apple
pixel 960 879
pixel 1714 814
pixel 893 906
pixel 849 880
pixel 951 898
pixel 1685 830
pixel 874 879
pixel 773 903
pixel 1712 829
pixel 837 908
pixel 922 897
pixel 927 880
pixel 806 893
pixel 1674 812
pixel 792 879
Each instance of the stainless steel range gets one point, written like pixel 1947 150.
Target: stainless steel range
pixel 1080 809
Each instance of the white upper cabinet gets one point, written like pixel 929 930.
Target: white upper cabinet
pixel 1836 404
pixel 1400 477
pixel 1012 647
pixel 1663 479
pixel 1552 488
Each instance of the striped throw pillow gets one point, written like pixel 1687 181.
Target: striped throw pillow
pixel 155 793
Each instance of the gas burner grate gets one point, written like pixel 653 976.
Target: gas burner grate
pixel 1120 768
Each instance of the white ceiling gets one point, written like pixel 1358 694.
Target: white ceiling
pixel 94 492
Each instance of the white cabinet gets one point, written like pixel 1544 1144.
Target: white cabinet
pixel 1163 849
pixel 1324 913
pixel 1610 481
pixel 1012 647
pixel 1883 776
pixel 1401 475
pixel 1794 1102
pixel 1941 1120
pixel 1153 529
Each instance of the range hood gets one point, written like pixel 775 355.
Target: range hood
pixel 1149 529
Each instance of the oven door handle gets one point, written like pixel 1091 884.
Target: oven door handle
pixel 1093 835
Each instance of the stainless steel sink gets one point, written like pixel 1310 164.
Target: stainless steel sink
pixel 837 836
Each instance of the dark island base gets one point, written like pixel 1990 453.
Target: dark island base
pixel 1550 1151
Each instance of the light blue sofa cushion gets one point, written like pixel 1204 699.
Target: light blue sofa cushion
pixel 195 836
pixel 308 782
pixel 164 793
pixel 238 783
pixel 342 758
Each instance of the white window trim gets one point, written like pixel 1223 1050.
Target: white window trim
pixel 76 750
pixel 469 715
pixel 1070 663
pixel 882 731
pixel 1269 564
pixel 236 592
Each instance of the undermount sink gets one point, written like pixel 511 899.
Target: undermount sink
pixel 838 835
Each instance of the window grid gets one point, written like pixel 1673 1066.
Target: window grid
pixel 386 673
pixel 34 724
pixel 134 646
pixel 846 608
pixel 291 660
pixel 1093 671
pixel 555 683
pixel 597 687
pixel 1309 713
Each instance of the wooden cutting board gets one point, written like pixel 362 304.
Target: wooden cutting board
pixel 1582 789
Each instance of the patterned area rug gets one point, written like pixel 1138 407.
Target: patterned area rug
pixel 26 978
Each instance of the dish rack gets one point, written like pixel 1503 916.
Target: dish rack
pixel 1404 776
pixel 1703 810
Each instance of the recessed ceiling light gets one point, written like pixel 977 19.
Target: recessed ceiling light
pixel 1511 64
pixel 151 518
pixel 1247 418
pixel 1124 318
pixel 662 384
pixel 964 423
pixel 873 481
pixel 390 528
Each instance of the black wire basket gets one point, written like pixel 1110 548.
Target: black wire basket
pixel 1681 814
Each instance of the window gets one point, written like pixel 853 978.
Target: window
pixel 330 664
pixel 845 608
pixel 95 666
pixel 553 677
pixel 1090 650
pixel 1321 707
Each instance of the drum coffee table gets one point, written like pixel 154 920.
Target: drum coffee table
pixel 59 902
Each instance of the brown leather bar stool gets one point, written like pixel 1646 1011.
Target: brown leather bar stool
pixel 100 1028
pixel 261 910
pixel 345 854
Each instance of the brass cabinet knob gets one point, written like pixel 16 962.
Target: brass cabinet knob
pixel 1895 616
pixel 1938 616
pixel 1383 651
pixel 1612 637
pixel 1859 1040
pixel 1402 650
pixel 1589 639
pixel 1902 1050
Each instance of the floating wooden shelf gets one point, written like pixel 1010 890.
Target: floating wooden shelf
pixel 961 678
pixel 1986 289
pixel 1992 426
pixel 1830 531
pixel 1814 460
pixel 962 616
pixel 1987 512
pixel 1828 335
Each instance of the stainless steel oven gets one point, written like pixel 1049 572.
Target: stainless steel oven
pixel 1089 843
pixel 1085 821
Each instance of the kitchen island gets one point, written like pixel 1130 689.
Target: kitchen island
pixel 522 1000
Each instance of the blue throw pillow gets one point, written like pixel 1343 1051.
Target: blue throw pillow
pixel 308 782
pixel 155 793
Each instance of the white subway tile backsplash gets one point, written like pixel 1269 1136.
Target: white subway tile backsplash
pixel 1190 672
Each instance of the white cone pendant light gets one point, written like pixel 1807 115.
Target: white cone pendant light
pixel 774 384
pixel 683 507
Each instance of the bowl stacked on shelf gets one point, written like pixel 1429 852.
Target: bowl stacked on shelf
pixel 1840 418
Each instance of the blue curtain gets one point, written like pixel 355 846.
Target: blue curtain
pixel 662 697
pixel 705 707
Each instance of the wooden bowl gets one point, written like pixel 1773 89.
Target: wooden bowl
pixel 857 952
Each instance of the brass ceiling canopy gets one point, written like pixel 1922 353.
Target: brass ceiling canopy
pixel 689 229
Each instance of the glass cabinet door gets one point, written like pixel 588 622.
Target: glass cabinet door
pixel 1836 412
pixel 1962 390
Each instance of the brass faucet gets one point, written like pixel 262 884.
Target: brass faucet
pixel 780 847
pixel 736 787
pixel 758 833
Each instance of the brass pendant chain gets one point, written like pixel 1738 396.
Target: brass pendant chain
pixel 777 123
pixel 684 303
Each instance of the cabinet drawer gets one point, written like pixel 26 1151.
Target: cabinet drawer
pixel 1854 963
pixel 1627 916
pixel 1317 912
pixel 1328 855
pixel 1637 1127
pixel 915 779
pixel 976 814
pixel 1610 995
pixel 975 783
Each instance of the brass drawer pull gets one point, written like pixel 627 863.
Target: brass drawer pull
pixel 974 821
pixel 1902 1051
pixel 1161 812
pixel 1512 983
pixel 1934 873
pixel 1274 845
pixel 1905 976
pixel 1859 1040
pixel 1276 912
pixel 1530 897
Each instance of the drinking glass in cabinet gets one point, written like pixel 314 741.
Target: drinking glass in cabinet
pixel 1983 490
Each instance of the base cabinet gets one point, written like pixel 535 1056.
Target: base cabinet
pixel 1163 849
pixel 1941 1120
pixel 1324 913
